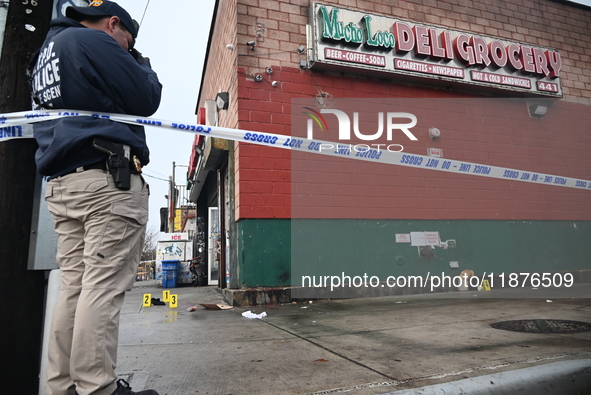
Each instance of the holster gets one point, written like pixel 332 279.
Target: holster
pixel 117 162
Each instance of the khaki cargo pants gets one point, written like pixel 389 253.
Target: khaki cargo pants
pixel 101 232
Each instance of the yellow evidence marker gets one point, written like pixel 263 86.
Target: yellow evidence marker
pixel 166 296
pixel 174 301
pixel 147 300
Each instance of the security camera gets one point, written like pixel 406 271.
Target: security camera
pixel 269 70
pixel 258 78
pixel 434 133
pixel 274 84
pixel 251 44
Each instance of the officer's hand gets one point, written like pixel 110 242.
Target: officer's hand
pixel 139 58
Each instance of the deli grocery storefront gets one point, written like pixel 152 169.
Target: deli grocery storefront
pixel 426 138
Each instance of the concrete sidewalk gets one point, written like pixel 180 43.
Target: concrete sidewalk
pixel 422 343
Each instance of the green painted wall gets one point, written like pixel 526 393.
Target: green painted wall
pixel 273 252
pixel 264 247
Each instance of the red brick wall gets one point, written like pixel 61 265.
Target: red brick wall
pixel 220 72
pixel 263 175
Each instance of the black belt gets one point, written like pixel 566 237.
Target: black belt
pixel 135 167
pixel 100 165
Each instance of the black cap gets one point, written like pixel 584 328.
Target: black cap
pixel 104 8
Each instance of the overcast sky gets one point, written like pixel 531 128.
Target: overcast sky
pixel 585 2
pixel 173 34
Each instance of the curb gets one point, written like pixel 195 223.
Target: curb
pixel 565 377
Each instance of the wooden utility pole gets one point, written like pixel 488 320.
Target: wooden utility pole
pixel 22 290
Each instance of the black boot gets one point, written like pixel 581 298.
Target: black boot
pixel 123 388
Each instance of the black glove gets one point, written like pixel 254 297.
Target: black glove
pixel 139 58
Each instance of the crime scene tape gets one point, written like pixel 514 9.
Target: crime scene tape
pixel 18 125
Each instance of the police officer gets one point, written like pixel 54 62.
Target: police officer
pixel 95 193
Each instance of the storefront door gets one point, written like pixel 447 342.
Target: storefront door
pixel 213 246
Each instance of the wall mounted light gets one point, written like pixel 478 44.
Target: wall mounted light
pixel 222 100
pixel 537 110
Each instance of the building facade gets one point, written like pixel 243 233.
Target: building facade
pixel 453 92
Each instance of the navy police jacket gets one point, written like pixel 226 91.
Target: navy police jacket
pixel 79 68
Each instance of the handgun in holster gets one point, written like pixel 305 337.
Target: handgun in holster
pixel 117 162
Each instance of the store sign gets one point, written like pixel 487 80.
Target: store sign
pixel 176 236
pixel 348 38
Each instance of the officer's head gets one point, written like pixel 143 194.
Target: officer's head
pixel 109 17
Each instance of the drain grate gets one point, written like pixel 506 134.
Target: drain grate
pixel 543 326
